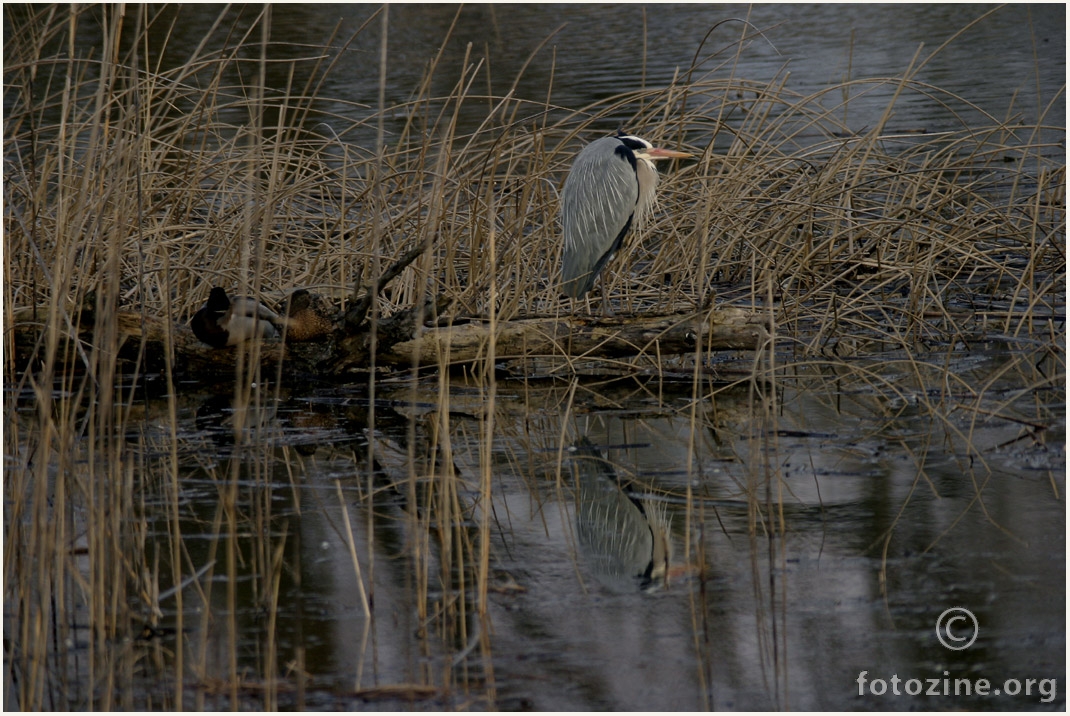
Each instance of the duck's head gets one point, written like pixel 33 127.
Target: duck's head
pixel 218 302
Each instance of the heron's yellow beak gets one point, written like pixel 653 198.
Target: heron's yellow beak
pixel 658 153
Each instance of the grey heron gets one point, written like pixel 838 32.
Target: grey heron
pixel 226 322
pixel 611 184
pixel 626 540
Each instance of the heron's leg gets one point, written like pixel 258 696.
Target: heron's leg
pixel 607 312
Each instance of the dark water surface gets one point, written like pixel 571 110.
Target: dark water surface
pixel 811 541
pixel 1007 63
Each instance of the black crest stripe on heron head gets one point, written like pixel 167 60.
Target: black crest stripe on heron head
pixel 626 152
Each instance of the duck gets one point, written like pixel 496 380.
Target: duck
pixel 224 322
pixel 306 316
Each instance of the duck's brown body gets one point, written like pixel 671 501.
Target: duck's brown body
pixel 307 317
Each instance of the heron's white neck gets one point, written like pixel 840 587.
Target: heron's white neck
pixel 648 181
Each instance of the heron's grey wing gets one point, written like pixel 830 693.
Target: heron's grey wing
pixel 597 203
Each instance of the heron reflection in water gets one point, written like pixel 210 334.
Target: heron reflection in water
pixel 625 539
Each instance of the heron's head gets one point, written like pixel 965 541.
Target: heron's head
pixel 645 150
pixel 644 154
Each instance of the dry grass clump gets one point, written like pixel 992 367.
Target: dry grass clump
pixel 132 184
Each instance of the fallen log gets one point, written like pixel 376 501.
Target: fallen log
pixel 581 337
